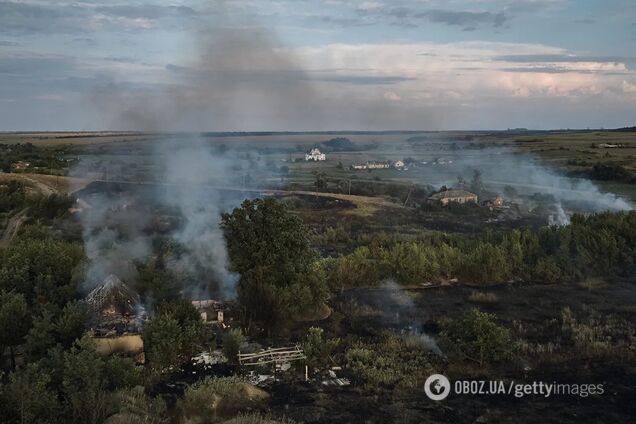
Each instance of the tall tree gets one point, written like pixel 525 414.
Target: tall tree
pixel 173 335
pixel 269 247
pixel 15 322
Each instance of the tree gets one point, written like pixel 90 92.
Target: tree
pixel 15 322
pixel 41 270
pixel 54 326
pixel 477 184
pixel 317 348
pixel 477 337
pixel 85 380
pixel 269 247
pixel 173 336
pixel 321 182
pixel 27 398
pixel 232 344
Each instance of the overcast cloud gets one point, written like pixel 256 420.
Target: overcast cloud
pixel 316 64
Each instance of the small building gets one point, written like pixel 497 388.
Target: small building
pixel 315 155
pixel 454 196
pixel 378 165
pixel 211 311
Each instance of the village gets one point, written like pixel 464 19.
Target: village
pixel 376 277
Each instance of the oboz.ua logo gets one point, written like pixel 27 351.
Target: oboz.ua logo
pixel 437 387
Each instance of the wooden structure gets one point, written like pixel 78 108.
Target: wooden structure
pixel 277 356
pixel 113 297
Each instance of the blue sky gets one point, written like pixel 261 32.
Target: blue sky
pixel 316 64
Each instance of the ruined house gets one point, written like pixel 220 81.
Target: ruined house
pixel 114 302
pixel 494 202
pixel 212 311
pixel 453 196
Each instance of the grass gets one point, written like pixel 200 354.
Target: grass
pixel 483 298
pixel 217 397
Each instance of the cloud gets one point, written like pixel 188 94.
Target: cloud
pixel 463 18
pixel 411 16
pixel 623 62
pixel 557 58
pixel 85 17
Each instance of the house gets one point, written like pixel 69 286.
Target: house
pixel 315 155
pixel 399 164
pixel 211 311
pixel 453 196
pixel 113 300
pixel 358 167
pixel 378 165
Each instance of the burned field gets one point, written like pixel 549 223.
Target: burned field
pixel 535 312
pixel 199 282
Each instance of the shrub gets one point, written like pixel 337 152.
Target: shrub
pixel 232 344
pixel 476 337
pixel 394 361
pixel 318 349
pixel 212 398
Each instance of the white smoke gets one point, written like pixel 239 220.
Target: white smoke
pixel 407 308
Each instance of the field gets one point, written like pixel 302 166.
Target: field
pixel 533 282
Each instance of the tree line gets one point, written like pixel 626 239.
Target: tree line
pixel 600 245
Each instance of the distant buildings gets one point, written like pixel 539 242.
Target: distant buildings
pixel 315 155
pixel 378 165
pixel 453 196
pixel 373 165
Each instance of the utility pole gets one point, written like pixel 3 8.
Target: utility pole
pixel 408 195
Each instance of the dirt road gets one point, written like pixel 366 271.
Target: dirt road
pixel 12 228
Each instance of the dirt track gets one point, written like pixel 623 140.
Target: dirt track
pixel 12 228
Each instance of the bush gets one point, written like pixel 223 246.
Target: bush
pixel 232 343
pixel 393 362
pixel 213 398
pixel 318 349
pixel 476 337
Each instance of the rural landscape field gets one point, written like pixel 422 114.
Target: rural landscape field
pixel 377 284
pixel 328 211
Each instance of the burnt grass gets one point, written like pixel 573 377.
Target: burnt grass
pixel 322 213
pixel 529 304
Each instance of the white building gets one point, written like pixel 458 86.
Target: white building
pixel 398 164
pixel 378 165
pixel 315 155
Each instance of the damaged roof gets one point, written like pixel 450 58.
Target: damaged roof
pixel 112 291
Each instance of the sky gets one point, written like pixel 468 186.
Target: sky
pixel 261 65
